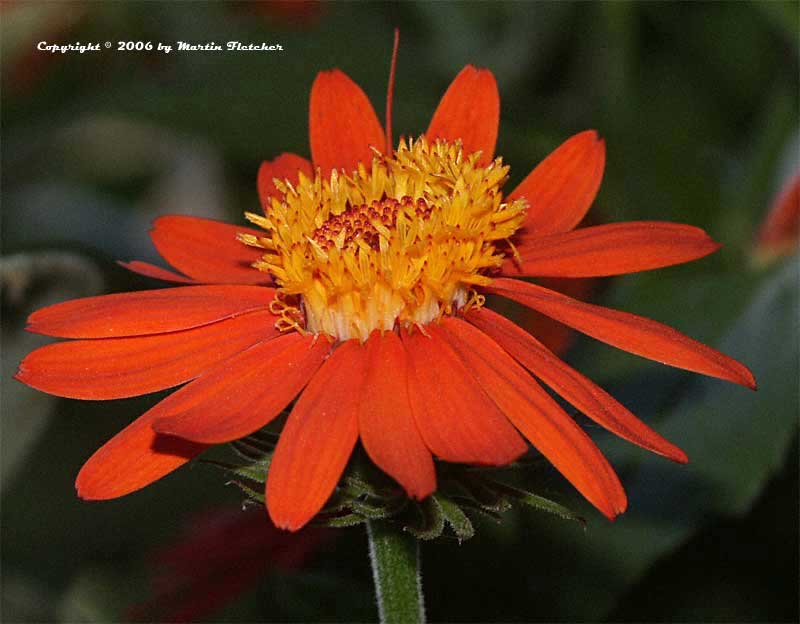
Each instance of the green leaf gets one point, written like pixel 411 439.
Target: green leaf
pixel 736 440
pixel 784 16
pixel 740 438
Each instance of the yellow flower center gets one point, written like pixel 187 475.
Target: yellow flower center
pixel 402 242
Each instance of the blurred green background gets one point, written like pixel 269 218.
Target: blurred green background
pixel 698 103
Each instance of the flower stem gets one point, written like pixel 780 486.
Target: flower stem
pixel 395 567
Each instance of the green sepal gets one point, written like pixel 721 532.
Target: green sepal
pixel 455 517
pixel 483 493
pixel 429 521
pixel 365 493
pixel 339 522
pixel 256 446
pixel 251 494
pixel 252 472
pixel 538 502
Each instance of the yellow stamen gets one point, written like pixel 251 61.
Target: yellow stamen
pixel 476 300
pixel 514 252
pixel 400 242
pixel 290 316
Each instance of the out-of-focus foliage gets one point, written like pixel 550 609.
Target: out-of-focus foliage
pixel 698 103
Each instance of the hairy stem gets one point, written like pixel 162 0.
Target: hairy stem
pixel 395 568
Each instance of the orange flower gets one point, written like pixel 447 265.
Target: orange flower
pixel 362 295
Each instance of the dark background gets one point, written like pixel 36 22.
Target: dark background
pixel 698 103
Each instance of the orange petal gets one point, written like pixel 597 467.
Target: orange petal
pixel 147 311
pixel 563 186
pixel 614 249
pixel 287 166
pixel 342 124
pixel 156 272
pixel 554 335
pixel 538 417
pixel 116 368
pixel 220 406
pixel 629 332
pixel 385 420
pixel 132 459
pixel 581 392
pixel 469 111
pixel 456 418
pixel 208 250
pixel 317 440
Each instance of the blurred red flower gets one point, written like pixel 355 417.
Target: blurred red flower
pixel 779 234
pixel 291 12
pixel 221 555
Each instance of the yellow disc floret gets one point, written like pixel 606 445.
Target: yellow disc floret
pixel 401 242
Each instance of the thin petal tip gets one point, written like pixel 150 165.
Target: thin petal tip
pixel 84 495
pixel 743 376
pixel 595 143
pixel 701 238
pixel 89 484
pixel 592 134
pixel 671 452
pixel 420 494
pixel 618 508
pixel 167 426
pixel 26 376
pixel 589 137
pixel 263 175
pixel 284 522
pixel 158 221
pixel 334 73
pixel 93 493
pixel 21 375
pixel 86 492
pixel 476 70
pixel 615 501
pixel 162 426
pixel 612 511
pixel 680 457
pixel 292 528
